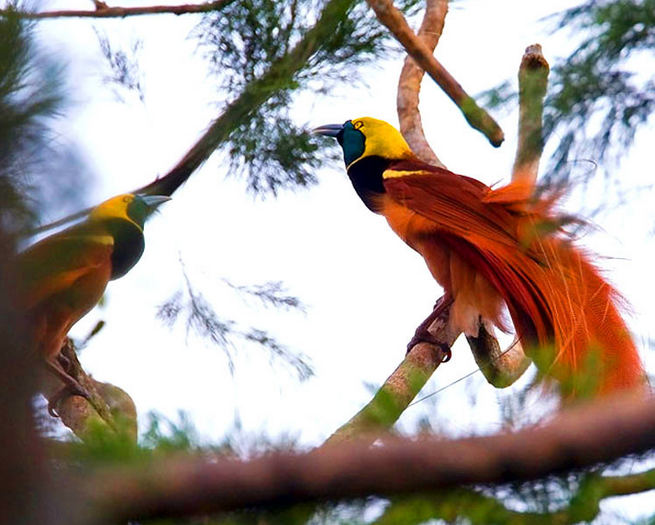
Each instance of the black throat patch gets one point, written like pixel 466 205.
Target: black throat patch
pixel 128 245
pixel 366 177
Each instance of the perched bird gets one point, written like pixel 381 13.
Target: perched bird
pixel 62 277
pixel 491 248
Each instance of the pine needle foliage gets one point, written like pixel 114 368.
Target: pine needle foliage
pixel 603 92
pixel 247 39
pixel 29 98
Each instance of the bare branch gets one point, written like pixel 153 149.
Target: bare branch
pixel 477 117
pixel 578 438
pixel 409 84
pixel 104 11
pixel 533 82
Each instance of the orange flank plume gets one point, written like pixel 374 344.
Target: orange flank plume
pixel 490 248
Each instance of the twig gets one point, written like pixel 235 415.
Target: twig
pixel 578 438
pixel 533 82
pixel 477 117
pixel 122 12
pixel 409 84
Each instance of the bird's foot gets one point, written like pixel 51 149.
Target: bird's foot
pixel 427 337
pixel 423 334
pixel 71 387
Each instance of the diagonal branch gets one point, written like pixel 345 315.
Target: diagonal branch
pixel 477 117
pixel 104 11
pixel 256 93
pixel 401 387
pixel 578 438
pixel 409 84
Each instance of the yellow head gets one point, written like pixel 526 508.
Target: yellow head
pixel 129 207
pixel 367 137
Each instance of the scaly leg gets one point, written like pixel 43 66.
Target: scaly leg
pixel 71 386
pixel 423 335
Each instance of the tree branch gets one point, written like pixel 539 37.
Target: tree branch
pixel 477 117
pixel 254 95
pixel 480 509
pixel 579 438
pixel 409 84
pixel 109 407
pixel 501 368
pixel 533 82
pixel 104 11
pixel 400 388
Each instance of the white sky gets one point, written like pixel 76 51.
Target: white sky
pixel 365 290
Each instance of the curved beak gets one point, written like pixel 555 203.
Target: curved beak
pixel 153 201
pixel 328 130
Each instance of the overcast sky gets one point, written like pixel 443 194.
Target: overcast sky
pixel 365 290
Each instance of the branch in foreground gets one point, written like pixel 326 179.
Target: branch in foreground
pixel 533 82
pixel 477 117
pixel 104 11
pixel 480 509
pixel 409 84
pixel 578 438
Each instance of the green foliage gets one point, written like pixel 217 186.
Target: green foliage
pixel 28 97
pixel 601 94
pixel 227 334
pixel 123 66
pixel 246 40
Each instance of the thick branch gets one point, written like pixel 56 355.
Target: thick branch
pixel 533 82
pixel 400 388
pixel 409 84
pixel 104 11
pixel 477 117
pixel 578 438
pixel 109 407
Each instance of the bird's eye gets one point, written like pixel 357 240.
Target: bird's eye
pixel 358 124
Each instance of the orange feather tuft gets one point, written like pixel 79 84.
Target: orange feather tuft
pixel 493 247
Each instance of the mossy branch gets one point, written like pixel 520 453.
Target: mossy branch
pixel 108 407
pixel 533 82
pixel 576 439
pixel 477 117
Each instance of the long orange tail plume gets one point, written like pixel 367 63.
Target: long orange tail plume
pixel 562 307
